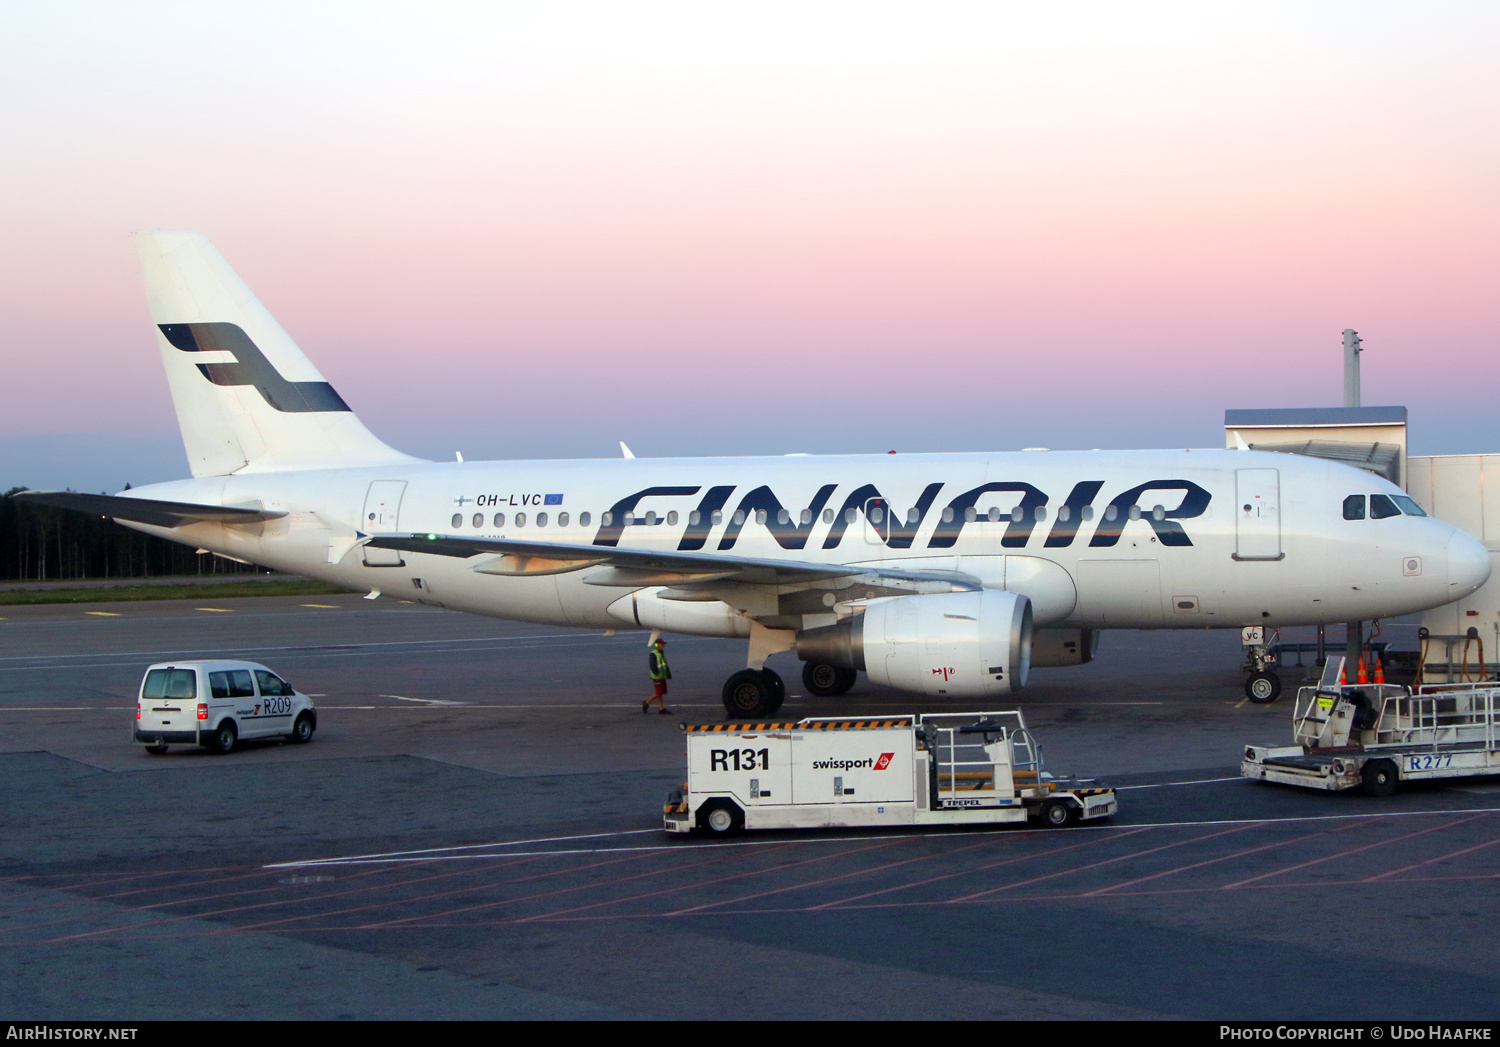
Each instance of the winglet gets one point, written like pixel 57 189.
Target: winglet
pixel 1239 441
pixel 627 452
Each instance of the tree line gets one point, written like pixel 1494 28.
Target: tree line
pixel 39 543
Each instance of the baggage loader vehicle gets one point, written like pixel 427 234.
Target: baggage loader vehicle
pixel 1375 736
pixel 942 769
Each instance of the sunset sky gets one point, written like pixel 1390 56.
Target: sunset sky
pixel 535 229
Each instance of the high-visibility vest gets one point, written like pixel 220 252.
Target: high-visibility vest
pixel 658 665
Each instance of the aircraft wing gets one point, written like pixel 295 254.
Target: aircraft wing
pixel 636 568
pixel 148 510
pixel 632 567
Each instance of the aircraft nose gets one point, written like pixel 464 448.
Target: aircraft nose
pixel 1468 565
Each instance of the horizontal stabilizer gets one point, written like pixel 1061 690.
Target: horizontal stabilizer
pixel 147 510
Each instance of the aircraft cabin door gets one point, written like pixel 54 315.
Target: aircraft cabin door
pixel 381 516
pixel 1257 529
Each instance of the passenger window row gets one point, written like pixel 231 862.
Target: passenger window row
pixel 876 515
pixel 519 520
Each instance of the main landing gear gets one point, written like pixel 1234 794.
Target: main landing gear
pixel 753 693
pixel 827 681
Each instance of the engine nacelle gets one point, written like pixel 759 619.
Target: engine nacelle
pixel 959 645
pixel 1051 648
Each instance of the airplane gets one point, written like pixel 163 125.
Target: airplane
pixel 947 575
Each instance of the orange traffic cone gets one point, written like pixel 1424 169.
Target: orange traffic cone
pixel 1361 677
pixel 1343 675
pixel 1379 671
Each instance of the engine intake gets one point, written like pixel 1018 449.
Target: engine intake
pixel 959 645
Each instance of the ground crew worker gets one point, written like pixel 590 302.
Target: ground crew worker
pixel 660 674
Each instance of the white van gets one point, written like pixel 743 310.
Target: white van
pixel 215 704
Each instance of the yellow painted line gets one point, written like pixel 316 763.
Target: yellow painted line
pixel 217 610
pixel 104 614
pixel 328 606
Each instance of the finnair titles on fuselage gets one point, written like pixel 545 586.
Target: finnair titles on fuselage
pixel 943 574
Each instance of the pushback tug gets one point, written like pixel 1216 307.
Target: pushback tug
pixel 937 769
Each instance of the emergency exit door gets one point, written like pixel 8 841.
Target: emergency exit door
pixel 1257 529
pixel 381 516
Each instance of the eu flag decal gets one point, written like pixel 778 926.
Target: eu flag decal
pixel 553 499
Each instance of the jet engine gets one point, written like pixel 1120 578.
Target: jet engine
pixel 960 645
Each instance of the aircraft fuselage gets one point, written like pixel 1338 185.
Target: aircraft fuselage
pixel 1103 539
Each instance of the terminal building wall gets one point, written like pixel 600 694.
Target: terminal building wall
pixel 1464 489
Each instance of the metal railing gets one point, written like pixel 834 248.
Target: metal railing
pixel 953 743
pixel 1439 716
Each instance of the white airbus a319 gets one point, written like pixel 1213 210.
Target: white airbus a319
pixel 941 574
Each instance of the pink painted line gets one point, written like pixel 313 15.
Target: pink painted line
pixel 1429 861
pixel 1199 865
pixel 1096 865
pixel 1352 850
pixel 963 872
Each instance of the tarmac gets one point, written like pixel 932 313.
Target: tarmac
pixel 475 832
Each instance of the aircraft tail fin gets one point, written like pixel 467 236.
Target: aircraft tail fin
pixel 247 398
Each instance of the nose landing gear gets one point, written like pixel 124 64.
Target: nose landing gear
pixel 1262 686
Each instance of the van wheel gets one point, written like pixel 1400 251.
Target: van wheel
pixel 1055 814
pixel 156 750
pixel 302 730
pixel 224 738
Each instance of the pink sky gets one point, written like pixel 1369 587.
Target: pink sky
pixel 540 229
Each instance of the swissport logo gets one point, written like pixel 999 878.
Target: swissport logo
pixel 868 763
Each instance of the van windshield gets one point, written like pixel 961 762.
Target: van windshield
pixel 170 683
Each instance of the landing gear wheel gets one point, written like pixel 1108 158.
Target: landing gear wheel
pixel 1055 814
pixel 778 690
pixel 827 681
pixel 1263 687
pixel 302 730
pixel 749 695
pixel 224 738
pixel 1378 778
pixel 156 750
pixel 721 817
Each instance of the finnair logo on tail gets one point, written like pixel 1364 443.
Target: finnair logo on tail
pixel 250 367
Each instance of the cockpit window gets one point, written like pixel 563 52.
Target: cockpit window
pixel 1354 507
pixel 1381 507
pixel 1408 505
